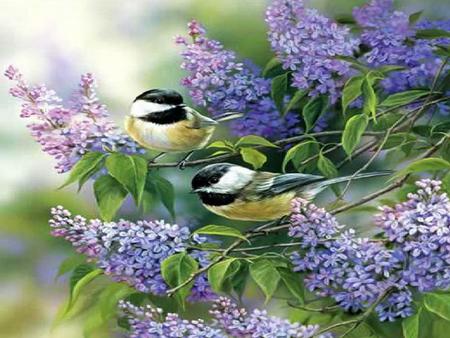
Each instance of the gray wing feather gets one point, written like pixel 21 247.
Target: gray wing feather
pixel 267 184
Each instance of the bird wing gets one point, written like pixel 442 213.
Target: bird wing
pixel 267 184
pixel 200 121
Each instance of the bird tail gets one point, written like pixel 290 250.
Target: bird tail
pixel 228 116
pixel 317 187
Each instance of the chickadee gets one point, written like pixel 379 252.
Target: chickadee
pixel 159 120
pixel 239 193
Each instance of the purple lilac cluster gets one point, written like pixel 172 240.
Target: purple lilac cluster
pixel 356 272
pixel 129 252
pixel 218 81
pixel 307 44
pixel 149 322
pixel 420 227
pixel 66 133
pixel 391 40
pixel 230 320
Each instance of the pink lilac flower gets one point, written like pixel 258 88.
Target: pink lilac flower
pixel 130 252
pixel 307 44
pixel 68 132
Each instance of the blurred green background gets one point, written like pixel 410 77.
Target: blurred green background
pixel 128 45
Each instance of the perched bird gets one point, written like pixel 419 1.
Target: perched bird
pixel 159 120
pixel 239 193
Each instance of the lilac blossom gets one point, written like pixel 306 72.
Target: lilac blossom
pixel 68 132
pixel 129 252
pixel 355 272
pixel 307 44
pixel 218 81
pixel 149 322
pixel 391 41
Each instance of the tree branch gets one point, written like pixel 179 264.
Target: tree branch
pixel 390 187
pixel 234 154
pixel 358 321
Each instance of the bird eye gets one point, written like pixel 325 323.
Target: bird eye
pixel 214 179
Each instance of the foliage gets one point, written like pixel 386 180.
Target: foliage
pixel 381 79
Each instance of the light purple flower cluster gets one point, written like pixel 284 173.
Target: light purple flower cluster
pixel 420 227
pixel 66 133
pixel 148 322
pixel 307 43
pixel 355 272
pixel 218 81
pixel 129 252
pixel 390 38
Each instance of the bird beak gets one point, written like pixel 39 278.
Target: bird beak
pixel 194 191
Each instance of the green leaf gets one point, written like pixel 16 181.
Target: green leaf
pixel 432 34
pixel 69 264
pixel 158 187
pixel 279 89
pixel 354 63
pixel 398 139
pixel 221 271
pixel 443 128
pixel 370 99
pixel 255 140
pixel 390 68
pixel 271 66
pixel 253 157
pixel 109 194
pixel 299 152
pixel 298 96
pixel 166 193
pixel 175 270
pixel 403 98
pixel 410 325
pixel 78 273
pixel 352 90
pixel 386 121
pixel 354 129
pixel 88 165
pixel 265 274
pixel 221 144
pixel 220 230
pixel 130 171
pixel 110 296
pixel 78 283
pixel 426 164
pixel 313 109
pixel 326 167
pixel 414 17
pixel 438 304
pixel 446 183
pixel 293 283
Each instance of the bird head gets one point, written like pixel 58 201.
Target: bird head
pixel 155 101
pixel 221 178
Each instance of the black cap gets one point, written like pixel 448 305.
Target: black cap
pixel 162 96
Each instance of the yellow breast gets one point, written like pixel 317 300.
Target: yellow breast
pixel 263 210
pixel 175 137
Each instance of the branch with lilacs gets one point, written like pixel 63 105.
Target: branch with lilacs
pixel 68 131
pixel 131 252
pixel 230 321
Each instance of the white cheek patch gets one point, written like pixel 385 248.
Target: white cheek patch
pixel 234 180
pixel 141 108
